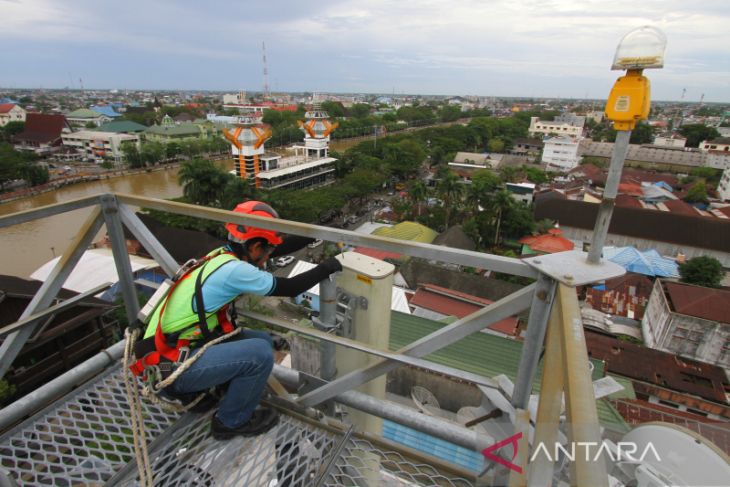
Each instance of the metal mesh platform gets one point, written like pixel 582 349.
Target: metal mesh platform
pixel 86 439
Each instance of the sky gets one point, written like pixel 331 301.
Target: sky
pixel 527 48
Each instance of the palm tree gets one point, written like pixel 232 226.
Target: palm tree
pixel 202 181
pixel 502 201
pixel 450 189
pixel 473 198
pixel 418 192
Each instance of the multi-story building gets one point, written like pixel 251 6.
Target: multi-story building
pixel 723 188
pixel 671 142
pixel 538 126
pixel 716 145
pixel 42 133
pixel 690 321
pixel 10 112
pixel 169 131
pixel 83 117
pixel 560 153
pixel 98 146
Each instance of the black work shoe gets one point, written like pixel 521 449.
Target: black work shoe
pixel 262 420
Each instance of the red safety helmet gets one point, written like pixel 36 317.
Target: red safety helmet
pixel 242 233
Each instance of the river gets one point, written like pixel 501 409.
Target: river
pixel 26 247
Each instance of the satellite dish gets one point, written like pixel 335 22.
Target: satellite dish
pixel 425 401
pixel 684 456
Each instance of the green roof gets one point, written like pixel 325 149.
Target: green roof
pixel 179 130
pixel 489 355
pixel 84 113
pixel 411 231
pixel 121 126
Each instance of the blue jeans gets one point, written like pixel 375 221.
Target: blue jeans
pixel 244 363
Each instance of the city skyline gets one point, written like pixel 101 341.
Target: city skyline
pixel 554 49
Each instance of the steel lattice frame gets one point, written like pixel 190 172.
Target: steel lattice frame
pixel 86 439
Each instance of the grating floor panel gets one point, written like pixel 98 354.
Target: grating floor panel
pixel 85 440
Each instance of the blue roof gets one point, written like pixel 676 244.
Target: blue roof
pixel 8 100
pixel 105 110
pixel 647 262
pixel 469 459
pixel 664 185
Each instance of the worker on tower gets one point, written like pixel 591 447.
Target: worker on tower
pixel 204 293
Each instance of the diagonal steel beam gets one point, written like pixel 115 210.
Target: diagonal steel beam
pixel 505 307
pixel 56 308
pixel 148 241
pixel 13 344
pixel 46 211
pixel 110 207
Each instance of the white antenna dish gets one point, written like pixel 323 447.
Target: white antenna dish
pixel 425 401
pixel 684 456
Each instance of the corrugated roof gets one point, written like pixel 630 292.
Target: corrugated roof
pixel 548 243
pixel 122 126
pixel 106 110
pixel 700 302
pixel 486 355
pixel 43 127
pixel 182 129
pixel 695 231
pixel 411 231
pixel 657 367
pixel 647 262
pixel 83 113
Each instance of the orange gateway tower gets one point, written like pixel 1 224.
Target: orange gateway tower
pixel 247 145
pixel 317 129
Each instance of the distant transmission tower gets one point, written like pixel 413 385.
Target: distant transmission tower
pixel 81 85
pixel 267 93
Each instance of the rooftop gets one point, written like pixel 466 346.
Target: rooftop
pixel 700 302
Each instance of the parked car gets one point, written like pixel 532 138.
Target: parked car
pixel 315 244
pixel 284 261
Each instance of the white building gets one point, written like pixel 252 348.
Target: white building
pixel 554 128
pixel 10 112
pixel 235 99
pixel 671 142
pixel 561 153
pixel 716 145
pixel 723 189
pixel 690 321
pixel 99 145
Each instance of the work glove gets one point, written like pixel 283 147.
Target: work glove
pixel 331 265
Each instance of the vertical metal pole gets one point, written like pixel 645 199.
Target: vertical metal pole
pixel 600 229
pixel 542 302
pixel 551 403
pixel 580 399
pixel 328 322
pixel 13 344
pixel 110 208
pixel 522 425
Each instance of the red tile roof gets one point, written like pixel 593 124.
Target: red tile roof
pixel 700 302
pixel 42 127
pixel 6 107
pixel 631 189
pixel 548 243
pixel 725 210
pixel 627 201
pixel 454 303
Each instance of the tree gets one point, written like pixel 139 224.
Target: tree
pixel 418 193
pixel 152 152
pixel 131 155
pixel 642 134
pixel 450 189
pixel 697 132
pixel 34 174
pixel 702 271
pixel 697 193
pixel 359 110
pixel 17 165
pixel 202 182
pixel 495 145
pixel 404 157
pixel 10 129
pixel 501 202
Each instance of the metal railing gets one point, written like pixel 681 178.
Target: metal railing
pixel 566 361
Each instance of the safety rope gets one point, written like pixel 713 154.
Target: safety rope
pixel 135 404
pixel 149 391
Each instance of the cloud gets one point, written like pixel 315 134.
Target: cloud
pixel 561 43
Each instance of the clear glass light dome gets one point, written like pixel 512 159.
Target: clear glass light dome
pixel 642 48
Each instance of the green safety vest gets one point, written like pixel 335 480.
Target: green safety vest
pixel 179 315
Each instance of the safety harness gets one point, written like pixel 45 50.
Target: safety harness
pixel 159 354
